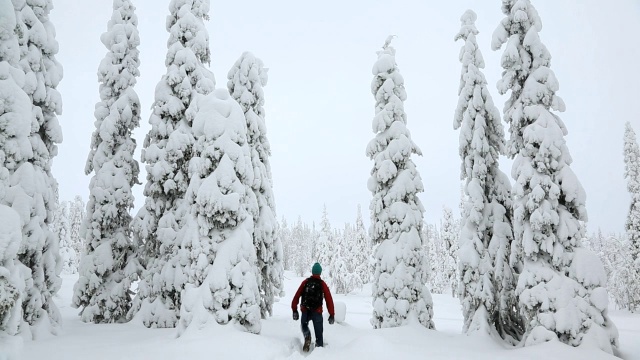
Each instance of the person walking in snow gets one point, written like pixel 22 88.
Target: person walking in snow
pixel 312 290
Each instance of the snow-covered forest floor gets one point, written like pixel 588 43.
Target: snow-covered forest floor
pixel 280 337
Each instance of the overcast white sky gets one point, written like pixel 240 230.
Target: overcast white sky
pixel 318 102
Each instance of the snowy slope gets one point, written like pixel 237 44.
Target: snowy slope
pixel 280 337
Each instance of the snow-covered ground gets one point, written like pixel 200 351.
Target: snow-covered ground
pixel 280 337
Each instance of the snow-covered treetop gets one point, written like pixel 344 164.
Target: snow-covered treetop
pixel 167 146
pixel 186 27
pixel 477 117
pixel 246 78
pixel 394 176
pixel 388 88
pixel 119 108
pixel 122 41
pixel 468 31
pixel 519 28
pixel 523 56
pixel 631 160
pixel 386 69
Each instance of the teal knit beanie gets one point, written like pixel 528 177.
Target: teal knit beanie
pixel 316 269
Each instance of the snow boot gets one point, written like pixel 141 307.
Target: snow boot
pixel 307 343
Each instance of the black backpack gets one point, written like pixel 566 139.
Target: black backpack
pixel 312 294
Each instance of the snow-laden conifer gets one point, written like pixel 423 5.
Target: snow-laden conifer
pixel 300 239
pixel 15 115
pixel 284 234
pixel 223 286
pixel 362 249
pixel 434 250
pixel 167 150
pixel 324 252
pixel 246 81
pixel 77 211
pixel 399 291
pixel 62 230
pixel 342 266
pixel 487 279
pixel 562 287
pixel 108 265
pixel 338 265
pixel 450 235
pixel 37 199
pixel 632 226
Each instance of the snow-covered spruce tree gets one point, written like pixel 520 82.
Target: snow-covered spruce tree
pixel 301 245
pixel 434 251
pixel 399 292
pixel 362 249
pixel 561 288
pixel 39 249
pixel 77 210
pixel 632 226
pixel 341 274
pixel 108 265
pixel 61 228
pixel 223 286
pixel 246 80
pixel 284 234
pixel 15 114
pixel 618 263
pixel 325 247
pixel 314 239
pixel 487 278
pixel 296 238
pixel 348 270
pixel 166 152
pixel 450 235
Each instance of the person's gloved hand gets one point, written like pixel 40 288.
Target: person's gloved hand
pixel 331 320
pixel 296 316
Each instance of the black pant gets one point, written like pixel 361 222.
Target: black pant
pixel 316 318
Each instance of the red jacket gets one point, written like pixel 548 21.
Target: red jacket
pixel 327 297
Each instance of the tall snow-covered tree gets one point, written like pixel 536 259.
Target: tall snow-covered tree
pixel 614 252
pixel 108 265
pixel 223 286
pixel 325 246
pixel 167 150
pixel 487 278
pixel 339 266
pixel 362 249
pixel 632 226
pixel 77 211
pixel 450 235
pixel 401 271
pixel 62 230
pixel 347 270
pixel 561 288
pixel 246 81
pixel 284 234
pixel 433 250
pixel 301 244
pixel 36 188
pixel 16 284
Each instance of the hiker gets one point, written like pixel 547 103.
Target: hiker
pixel 312 290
